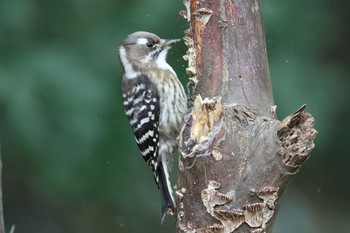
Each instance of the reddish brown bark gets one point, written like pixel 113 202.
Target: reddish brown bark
pixel 235 159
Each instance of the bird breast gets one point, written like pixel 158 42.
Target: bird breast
pixel 173 102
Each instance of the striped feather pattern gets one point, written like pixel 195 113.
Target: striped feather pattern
pixel 141 102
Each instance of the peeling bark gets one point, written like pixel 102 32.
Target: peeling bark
pixel 236 159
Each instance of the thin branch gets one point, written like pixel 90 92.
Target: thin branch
pixel 2 226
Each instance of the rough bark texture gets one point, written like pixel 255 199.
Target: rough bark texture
pixel 235 159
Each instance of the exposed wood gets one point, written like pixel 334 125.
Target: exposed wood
pixel 236 159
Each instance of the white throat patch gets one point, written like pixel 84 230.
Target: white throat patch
pixel 161 61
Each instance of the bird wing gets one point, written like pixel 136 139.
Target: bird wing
pixel 141 102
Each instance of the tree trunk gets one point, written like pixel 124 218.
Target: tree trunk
pixel 235 159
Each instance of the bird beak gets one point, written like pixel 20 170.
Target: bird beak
pixel 169 43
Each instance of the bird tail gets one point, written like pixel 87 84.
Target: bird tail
pixel 168 204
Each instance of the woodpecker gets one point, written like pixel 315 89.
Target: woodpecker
pixel 155 103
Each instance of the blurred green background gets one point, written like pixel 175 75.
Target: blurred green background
pixel 70 163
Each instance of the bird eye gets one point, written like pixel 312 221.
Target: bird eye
pixel 149 44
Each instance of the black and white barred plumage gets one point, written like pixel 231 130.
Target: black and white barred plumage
pixel 155 103
pixel 141 103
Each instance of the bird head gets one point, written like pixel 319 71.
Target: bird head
pixel 143 50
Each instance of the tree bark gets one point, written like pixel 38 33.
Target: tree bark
pixel 235 158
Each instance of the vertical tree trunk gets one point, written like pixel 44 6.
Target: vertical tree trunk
pixel 235 158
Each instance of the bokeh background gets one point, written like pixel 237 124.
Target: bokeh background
pixel 70 163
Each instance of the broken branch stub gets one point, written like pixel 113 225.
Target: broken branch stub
pixel 204 129
pixel 296 133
